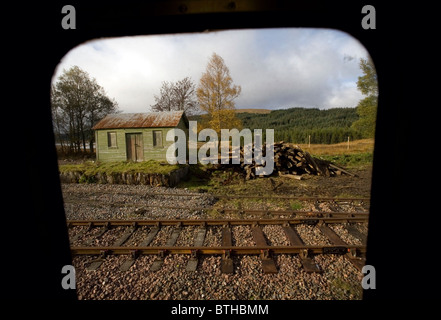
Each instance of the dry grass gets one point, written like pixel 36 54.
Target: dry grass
pixel 356 146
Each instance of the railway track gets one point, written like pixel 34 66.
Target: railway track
pixel 86 235
pixel 241 211
pixel 134 242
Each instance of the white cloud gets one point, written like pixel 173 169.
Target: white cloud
pixel 276 68
pixel 344 96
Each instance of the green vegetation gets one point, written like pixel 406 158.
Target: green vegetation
pixel 77 103
pixel 198 178
pixel 355 160
pixel 295 205
pixel 367 107
pixel 92 168
pixel 316 126
pixel 296 125
pixel 343 289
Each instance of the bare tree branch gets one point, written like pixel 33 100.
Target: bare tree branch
pixel 177 96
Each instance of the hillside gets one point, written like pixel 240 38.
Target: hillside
pixel 297 125
pixel 263 111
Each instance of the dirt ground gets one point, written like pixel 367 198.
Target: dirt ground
pixel 339 186
pixel 310 185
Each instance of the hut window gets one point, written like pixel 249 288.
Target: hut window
pixel 157 138
pixel 111 139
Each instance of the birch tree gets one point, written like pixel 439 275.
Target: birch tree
pixel 179 96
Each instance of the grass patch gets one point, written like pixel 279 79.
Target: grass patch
pixel 344 290
pixel 91 168
pixel 198 178
pixel 295 205
pixel 204 178
pixel 351 160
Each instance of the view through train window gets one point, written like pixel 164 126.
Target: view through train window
pixel 217 165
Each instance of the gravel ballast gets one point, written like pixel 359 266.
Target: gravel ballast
pixel 339 279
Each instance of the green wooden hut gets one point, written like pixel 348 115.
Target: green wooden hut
pixel 136 136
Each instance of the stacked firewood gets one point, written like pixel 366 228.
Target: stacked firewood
pixel 293 162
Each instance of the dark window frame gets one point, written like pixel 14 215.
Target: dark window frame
pixel 110 140
pixel 155 140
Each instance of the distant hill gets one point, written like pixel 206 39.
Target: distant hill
pixel 304 118
pixel 296 125
pixel 260 111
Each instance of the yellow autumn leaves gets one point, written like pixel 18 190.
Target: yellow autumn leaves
pixel 216 93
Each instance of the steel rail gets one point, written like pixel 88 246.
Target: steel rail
pixel 236 250
pixel 301 198
pixel 224 210
pixel 218 222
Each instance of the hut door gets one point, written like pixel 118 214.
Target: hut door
pixel 135 150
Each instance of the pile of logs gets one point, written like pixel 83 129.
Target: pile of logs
pixel 293 162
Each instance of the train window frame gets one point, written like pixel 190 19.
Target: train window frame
pixel 96 21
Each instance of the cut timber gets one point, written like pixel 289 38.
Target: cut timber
pixel 312 163
pixel 288 158
pixel 292 176
pixel 342 170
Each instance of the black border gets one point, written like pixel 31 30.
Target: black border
pixel 37 42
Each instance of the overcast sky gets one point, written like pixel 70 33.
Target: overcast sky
pixel 276 68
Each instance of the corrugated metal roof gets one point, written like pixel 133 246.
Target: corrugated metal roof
pixel 140 120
